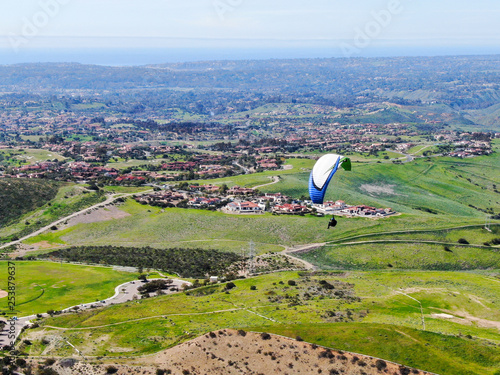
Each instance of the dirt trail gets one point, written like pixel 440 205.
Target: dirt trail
pixel 109 200
pixel 275 179
pixel 302 249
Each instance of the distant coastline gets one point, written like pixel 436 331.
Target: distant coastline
pixel 145 56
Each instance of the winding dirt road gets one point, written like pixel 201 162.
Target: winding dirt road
pixel 109 200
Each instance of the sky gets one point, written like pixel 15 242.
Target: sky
pixel 133 31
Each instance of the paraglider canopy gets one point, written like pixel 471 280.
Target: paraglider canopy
pixel 322 174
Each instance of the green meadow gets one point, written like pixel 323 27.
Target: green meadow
pixel 174 227
pixel 365 312
pixel 43 286
pixel 417 256
pixel 19 157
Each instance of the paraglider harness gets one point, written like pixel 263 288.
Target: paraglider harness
pixel 332 222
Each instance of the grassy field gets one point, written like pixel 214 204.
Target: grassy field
pixel 126 189
pixel 122 164
pixel 19 157
pixel 41 286
pixel 424 256
pixel 476 235
pixel 174 227
pixel 365 312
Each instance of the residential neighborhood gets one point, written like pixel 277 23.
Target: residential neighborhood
pixel 239 200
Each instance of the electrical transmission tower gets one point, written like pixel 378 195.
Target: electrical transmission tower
pixel 487 225
pixel 251 257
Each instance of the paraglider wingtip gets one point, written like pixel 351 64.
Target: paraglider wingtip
pixel 346 164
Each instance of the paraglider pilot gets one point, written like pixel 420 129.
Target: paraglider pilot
pixel 332 222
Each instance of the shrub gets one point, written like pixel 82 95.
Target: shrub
pixel 48 371
pixel 253 287
pixel 298 338
pixel 53 227
pixel 265 336
pixel 463 241
pixel 230 286
pixel 49 362
pixel 111 370
pixel 292 282
pixel 380 364
pixel 326 354
pixel 242 332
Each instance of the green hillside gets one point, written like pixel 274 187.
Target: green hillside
pixel 369 313
pixel 28 205
pixel 43 286
pixel 20 196
pixel 430 193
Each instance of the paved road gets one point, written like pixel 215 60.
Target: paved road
pixel 123 293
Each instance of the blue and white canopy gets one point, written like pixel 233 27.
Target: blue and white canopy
pixel 322 174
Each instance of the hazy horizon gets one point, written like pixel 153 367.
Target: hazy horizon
pixel 150 56
pixel 128 32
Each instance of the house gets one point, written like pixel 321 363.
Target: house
pixel 243 207
pixel 289 208
pixel 236 190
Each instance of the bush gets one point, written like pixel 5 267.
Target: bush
pixel 242 332
pixel 265 336
pixel 292 282
pixel 49 362
pixel 111 370
pixel 230 286
pixel 253 287
pixel 195 263
pixel 48 371
pixel 380 364
pixel 463 241
pixel 298 338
